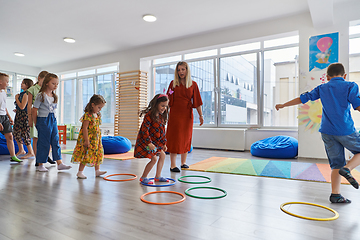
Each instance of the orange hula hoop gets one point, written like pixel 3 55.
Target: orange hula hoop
pixel 165 203
pixel 120 180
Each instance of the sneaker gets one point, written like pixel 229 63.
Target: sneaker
pixel 146 181
pixel 51 161
pixel 81 176
pixel 175 169
pixel 184 166
pixel 42 169
pixel 99 173
pixel 345 172
pixel 15 159
pixel 161 179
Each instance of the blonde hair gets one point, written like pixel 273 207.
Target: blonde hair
pixel 3 75
pixel 47 79
pixel 188 79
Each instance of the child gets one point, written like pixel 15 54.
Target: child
pixel 337 126
pixel 89 150
pixel 5 118
pixel 32 93
pixel 43 114
pixel 151 141
pixel 21 126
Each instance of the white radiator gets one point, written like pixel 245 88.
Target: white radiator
pixel 219 138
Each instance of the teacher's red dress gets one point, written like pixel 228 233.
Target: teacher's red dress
pixel 180 124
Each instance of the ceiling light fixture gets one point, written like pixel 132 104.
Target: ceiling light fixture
pixel 19 54
pixel 149 18
pixel 69 40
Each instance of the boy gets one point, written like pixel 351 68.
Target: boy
pixel 5 119
pixel 337 126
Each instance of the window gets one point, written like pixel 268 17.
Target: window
pixel 354 62
pixel 77 87
pixel 240 84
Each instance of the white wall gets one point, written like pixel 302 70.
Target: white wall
pixel 19 68
pixel 310 145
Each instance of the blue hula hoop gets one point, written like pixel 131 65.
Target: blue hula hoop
pixel 164 185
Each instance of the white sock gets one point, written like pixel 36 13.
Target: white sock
pixel 42 168
pixel 81 175
pixel 62 166
pixel 99 173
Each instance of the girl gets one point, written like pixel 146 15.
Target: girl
pixel 32 93
pixel 21 127
pixel 151 141
pixel 43 114
pixel 89 150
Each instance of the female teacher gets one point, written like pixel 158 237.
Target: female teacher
pixel 184 95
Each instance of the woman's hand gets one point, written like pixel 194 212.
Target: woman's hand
pixel 151 146
pixel 201 118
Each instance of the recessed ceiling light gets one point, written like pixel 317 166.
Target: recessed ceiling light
pixel 19 54
pixel 69 40
pixel 149 18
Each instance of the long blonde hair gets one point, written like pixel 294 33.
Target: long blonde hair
pixel 188 79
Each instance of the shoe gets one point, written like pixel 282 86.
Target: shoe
pixel 81 176
pixel 345 172
pixel 146 181
pixel 175 169
pixel 51 161
pixel 42 169
pixel 99 173
pixel 184 166
pixel 15 160
pixel 337 198
pixel 161 179
pixel 36 164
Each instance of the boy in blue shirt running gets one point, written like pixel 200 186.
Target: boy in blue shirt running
pixel 337 126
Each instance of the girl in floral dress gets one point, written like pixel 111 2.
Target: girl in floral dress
pixel 89 150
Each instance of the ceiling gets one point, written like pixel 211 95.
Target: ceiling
pixel 37 27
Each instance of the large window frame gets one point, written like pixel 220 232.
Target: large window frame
pixel 89 74
pixel 255 46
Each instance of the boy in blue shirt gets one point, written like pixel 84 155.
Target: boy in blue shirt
pixel 337 126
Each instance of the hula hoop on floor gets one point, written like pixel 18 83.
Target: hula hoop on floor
pixel 159 185
pixel 165 203
pixel 180 179
pixel 310 218
pixel 219 189
pixel 120 180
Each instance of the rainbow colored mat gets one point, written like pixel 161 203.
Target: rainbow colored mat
pixel 120 156
pixel 317 172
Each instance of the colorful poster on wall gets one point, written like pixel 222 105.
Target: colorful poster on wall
pixel 323 50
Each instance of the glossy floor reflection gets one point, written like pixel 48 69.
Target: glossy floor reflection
pixel 57 205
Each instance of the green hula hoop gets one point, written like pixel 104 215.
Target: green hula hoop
pixel 219 189
pixel 180 179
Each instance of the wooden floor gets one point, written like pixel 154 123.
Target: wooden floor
pixel 57 205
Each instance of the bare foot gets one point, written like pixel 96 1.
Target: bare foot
pixel 20 153
pixel 29 155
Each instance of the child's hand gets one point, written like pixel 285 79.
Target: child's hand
pixel 279 106
pixel 30 121
pixel 165 148
pixel 151 146
pixel 1 127
pixel 11 121
pixel 86 144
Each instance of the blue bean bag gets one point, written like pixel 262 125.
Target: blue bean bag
pixel 275 147
pixel 4 149
pixel 115 144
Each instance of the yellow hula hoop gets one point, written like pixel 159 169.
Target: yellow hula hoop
pixel 310 218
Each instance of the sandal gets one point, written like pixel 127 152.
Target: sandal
pixel 161 179
pixel 146 181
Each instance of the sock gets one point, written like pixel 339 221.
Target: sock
pixel 337 198
pixel 81 175
pixel 41 168
pixel 15 159
pixel 62 166
pixel 98 173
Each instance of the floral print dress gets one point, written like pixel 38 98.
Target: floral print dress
pixel 94 154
